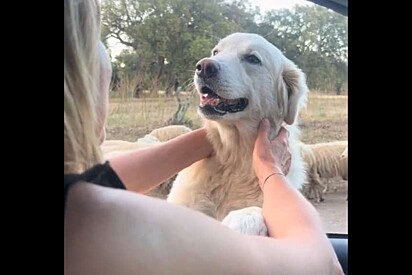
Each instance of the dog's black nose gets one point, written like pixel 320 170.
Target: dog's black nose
pixel 207 68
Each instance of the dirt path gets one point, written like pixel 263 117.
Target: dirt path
pixel 334 212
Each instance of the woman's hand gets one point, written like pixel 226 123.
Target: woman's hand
pixel 271 156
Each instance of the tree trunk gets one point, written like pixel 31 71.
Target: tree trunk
pixel 183 105
pixel 173 84
pixel 156 81
pixel 138 82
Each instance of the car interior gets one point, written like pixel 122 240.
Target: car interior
pixel 339 241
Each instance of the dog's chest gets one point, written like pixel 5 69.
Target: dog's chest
pixel 235 199
pixel 231 186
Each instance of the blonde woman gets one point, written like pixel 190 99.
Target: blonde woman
pixel 108 230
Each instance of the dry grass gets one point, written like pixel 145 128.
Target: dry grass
pixel 131 118
pixel 324 119
pixel 140 112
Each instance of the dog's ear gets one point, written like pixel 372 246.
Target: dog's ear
pixel 294 86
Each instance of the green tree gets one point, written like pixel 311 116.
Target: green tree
pixel 166 34
pixel 313 37
pixel 167 37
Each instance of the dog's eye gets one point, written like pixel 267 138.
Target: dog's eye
pixel 252 59
pixel 214 52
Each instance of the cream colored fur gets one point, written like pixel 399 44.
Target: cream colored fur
pixel 345 154
pixel 313 183
pixel 275 89
pixel 169 132
pixel 324 161
pixel 112 148
pixel 328 159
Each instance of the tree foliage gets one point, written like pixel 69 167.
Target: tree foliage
pixel 165 38
pixel 313 37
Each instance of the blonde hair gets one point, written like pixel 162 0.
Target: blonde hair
pixel 81 72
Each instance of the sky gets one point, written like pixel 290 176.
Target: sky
pixel 265 5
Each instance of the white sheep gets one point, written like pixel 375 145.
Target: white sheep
pixel 112 148
pixel 313 183
pixel 345 154
pixel 328 159
pixel 169 132
pixel 323 160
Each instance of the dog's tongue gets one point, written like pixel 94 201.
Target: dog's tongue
pixel 215 100
pixel 207 99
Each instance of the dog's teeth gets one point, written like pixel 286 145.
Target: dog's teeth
pixel 205 95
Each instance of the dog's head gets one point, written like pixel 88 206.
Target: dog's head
pixel 248 78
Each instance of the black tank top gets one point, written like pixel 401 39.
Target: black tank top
pixel 100 174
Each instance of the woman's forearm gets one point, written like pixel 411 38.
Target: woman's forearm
pixel 287 213
pixel 143 169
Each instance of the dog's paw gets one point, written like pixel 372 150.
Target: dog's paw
pixel 247 221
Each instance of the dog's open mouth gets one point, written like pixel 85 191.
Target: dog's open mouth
pixel 212 103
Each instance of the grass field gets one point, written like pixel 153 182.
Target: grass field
pixel 325 117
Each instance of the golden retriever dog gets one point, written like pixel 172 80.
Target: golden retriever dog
pixel 245 80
